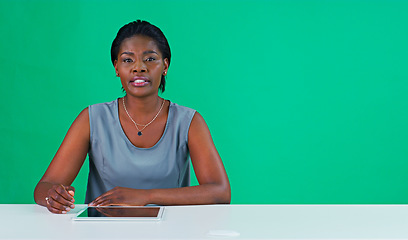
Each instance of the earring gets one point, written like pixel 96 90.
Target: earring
pixel 164 73
pixel 117 74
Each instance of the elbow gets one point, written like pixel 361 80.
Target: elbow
pixel 224 195
pixel 36 193
pixel 227 197
pixel 224 200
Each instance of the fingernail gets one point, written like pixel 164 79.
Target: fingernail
pixel 64 212
pixel 72 206
pixel 67 209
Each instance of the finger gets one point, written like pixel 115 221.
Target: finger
pixel 106 202
pixel 57 195
pixel 70 190
pixel 100 198
pixel 56 206
pixel 97 201
pixel 63 197
pixel 61 200
pixel 60 189
pixel 56 211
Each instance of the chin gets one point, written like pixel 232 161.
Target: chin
pixel 143 93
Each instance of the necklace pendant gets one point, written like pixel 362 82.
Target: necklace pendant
pixel 139 133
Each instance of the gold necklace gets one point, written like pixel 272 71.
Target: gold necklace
pixel 143 125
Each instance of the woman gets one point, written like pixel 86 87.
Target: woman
pixel 138 145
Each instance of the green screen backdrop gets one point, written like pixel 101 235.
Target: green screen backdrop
pixel 306 100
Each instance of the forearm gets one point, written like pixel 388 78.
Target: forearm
pixel 41 191
pixel 195 195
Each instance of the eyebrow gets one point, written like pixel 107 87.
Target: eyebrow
pixel 145 52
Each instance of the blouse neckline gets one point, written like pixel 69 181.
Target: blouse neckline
pixel 126 137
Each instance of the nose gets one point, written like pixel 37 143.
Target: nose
pixel 139 66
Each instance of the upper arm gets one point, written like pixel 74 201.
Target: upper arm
pixel 207 163
pixel 69 158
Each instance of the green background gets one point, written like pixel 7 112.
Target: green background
pixel 306 100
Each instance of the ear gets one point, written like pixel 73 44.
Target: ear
pixel 166 66
pixel 115 64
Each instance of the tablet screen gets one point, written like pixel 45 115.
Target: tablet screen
pixel 120 212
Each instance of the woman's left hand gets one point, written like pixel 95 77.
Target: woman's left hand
pixel 121 196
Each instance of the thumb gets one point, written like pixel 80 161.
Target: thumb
pixel 70 190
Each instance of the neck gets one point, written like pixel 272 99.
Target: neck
pixel 142 109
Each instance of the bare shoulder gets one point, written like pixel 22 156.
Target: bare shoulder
pixel 79 130
pixel 78 134
pixel 199 136
pixel 197 119
pixel 198 127
pixel 83 115
pixel 81 122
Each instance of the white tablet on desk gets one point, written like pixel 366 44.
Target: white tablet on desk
pixel 122 213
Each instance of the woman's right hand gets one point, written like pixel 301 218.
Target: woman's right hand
pixel 60 198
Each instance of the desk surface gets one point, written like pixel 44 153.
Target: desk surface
pixel 198 222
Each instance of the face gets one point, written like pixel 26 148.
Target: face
pixel 140 66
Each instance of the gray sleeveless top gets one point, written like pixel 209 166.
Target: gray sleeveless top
pixel 115 161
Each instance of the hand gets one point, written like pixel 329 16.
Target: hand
pixel 121 196
pixel 60 198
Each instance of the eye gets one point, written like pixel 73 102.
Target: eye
pixel 149 59
pixel 127 60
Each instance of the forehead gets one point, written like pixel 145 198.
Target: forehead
pixel 138 43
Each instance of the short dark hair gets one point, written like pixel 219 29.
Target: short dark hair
pixel 144 28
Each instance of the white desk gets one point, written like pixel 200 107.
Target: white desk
pixel 195 222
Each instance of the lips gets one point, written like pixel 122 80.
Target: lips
pixel 139 81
